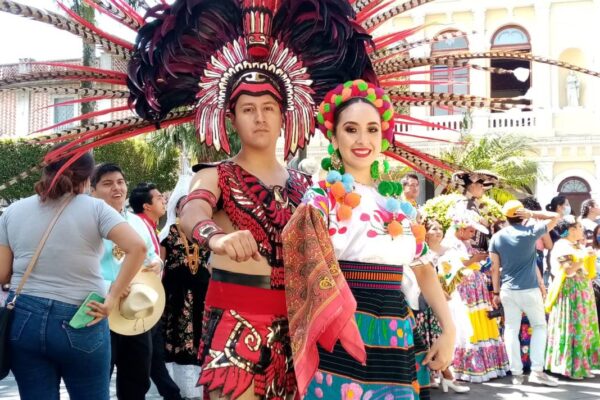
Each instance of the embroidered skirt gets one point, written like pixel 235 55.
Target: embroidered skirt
pixel 480 354
pixel 245 340
pixel 393 369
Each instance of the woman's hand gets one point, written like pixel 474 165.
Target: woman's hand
pixel 100 310
pixel 240 246
pixel 441 353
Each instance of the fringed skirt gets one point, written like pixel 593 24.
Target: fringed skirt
pixel 394 367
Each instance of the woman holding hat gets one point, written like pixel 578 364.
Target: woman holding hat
pixel 480 354
pixel 44 346
pixel 345 250
pixel 573 339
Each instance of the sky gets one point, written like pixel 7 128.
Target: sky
pixel 24 38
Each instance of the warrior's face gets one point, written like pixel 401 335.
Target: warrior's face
pixel 257 120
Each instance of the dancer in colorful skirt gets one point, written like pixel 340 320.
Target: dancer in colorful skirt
pixel 345 251
pixel 427 324
pixel 480 354
pixel 573 339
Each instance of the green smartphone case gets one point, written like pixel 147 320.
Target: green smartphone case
pixel 81 318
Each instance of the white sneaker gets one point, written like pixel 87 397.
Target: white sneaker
pixel 541 378
pixel 517 379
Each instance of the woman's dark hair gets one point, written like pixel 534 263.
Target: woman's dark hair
pixel 555 203
pixel 565 224
pixel 595 242
pixel 586 206
pixel 343 106
pixel 69 180
pixel 531 203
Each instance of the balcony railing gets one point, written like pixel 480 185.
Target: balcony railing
pixel 482 123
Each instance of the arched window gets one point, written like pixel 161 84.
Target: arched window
pixel 574 185
pixel 576 190
pixel 515 39
pixel 449 80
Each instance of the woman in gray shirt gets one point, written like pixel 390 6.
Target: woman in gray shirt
pixel 44 347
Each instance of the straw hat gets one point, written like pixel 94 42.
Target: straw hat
pixel 142 308
pixel 511 207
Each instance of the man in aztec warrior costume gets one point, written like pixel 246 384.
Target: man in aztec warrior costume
pixel 266 64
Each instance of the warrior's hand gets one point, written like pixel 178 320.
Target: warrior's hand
pixel 240 246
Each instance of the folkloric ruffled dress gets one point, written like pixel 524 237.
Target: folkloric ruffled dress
pixel 573 339
pixel 372 264
pixel 480 354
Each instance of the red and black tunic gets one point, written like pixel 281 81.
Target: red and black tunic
pixel 263 210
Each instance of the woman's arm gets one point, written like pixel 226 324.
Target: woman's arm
pixel 6 262
pixel 124 236
pixel 441 353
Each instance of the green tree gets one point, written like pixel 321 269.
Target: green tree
pixel 184 138
pixel 141 163
pixel 15 158
pixel 507 155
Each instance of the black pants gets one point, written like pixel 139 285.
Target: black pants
pixel 132 355
pixel 158 372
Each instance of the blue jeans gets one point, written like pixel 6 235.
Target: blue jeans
pixel 44 349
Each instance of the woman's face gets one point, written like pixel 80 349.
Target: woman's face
pixel 358 136
pixel 434 234
pixel 476 189
pixel 466 233
pixel 564 209
pixel 576 232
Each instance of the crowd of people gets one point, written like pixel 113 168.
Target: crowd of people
pixel 265 283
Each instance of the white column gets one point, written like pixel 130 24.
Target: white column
pixel 421 51
pixel 542 82
pixel 105 63
pixel 23 107
pixel 545 189
pixel 478 80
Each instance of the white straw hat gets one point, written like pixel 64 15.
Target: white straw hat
pixel 142 308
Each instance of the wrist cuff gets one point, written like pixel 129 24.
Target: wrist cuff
pixel 204 230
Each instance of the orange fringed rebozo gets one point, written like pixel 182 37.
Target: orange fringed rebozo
pixel 320 304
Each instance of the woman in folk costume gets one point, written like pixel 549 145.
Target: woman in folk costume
pixel 427 324
pixel 185 279
pixel 345 250
pixel 480 354
pixel 573 348
pixel 474 185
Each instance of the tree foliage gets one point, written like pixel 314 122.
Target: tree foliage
pixel 141 163
pixel 138 160
pixel 184 138
pixel 508 155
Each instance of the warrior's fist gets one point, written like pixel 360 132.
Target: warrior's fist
pixel 240 246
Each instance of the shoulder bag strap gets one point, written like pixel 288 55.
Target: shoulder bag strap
pixel 38 251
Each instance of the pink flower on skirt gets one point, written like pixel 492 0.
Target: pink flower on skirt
pixel 351 391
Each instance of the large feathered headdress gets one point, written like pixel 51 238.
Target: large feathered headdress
pixel 192 58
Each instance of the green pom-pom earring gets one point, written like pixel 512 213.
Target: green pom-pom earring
pixel 386 167
pixel 385 145
pixel 375 170
pixel 330 149
pixel 326 163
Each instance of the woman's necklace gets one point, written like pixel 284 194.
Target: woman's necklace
pixel 192 258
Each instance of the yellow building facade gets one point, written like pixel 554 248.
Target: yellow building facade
pixel 565 132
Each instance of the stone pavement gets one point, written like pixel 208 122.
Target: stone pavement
pixel 588 389
pixel 498 389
